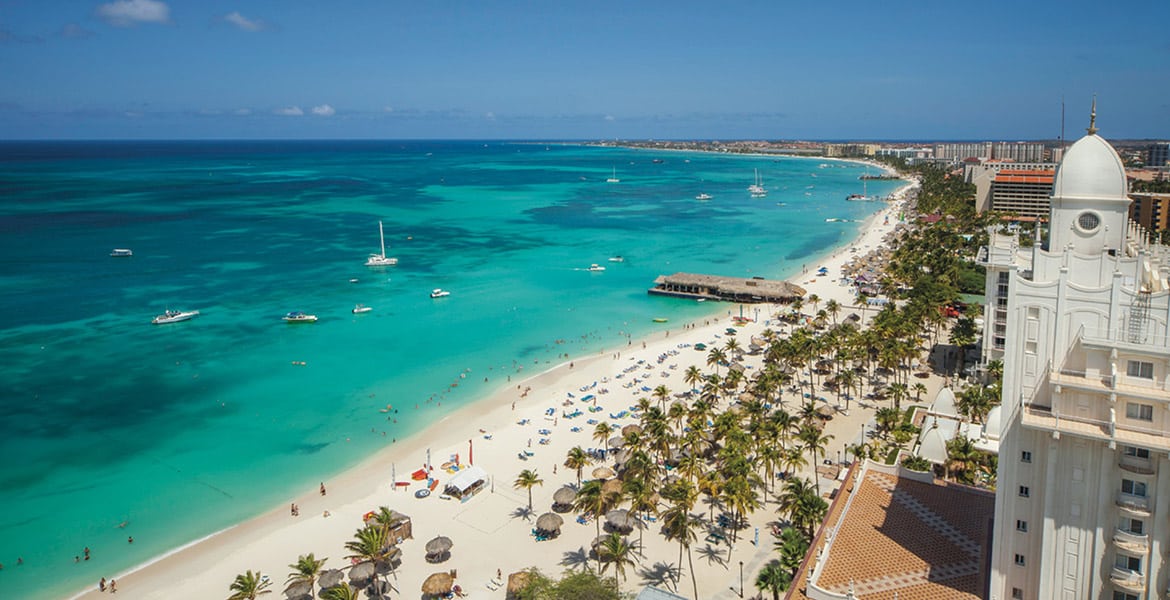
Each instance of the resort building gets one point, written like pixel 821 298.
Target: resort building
pixel 1018 151
pixel 1080 323
pixel 1151 211
pixel 1158 155
pixel 1013 187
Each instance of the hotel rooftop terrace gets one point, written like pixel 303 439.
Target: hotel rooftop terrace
pixel 894 533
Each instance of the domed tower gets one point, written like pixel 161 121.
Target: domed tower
pixel 1090 207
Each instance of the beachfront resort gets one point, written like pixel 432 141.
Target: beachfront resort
pixel 862 430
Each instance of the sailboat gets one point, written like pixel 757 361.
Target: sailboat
pixel 863 196
pixel 613 178
pixel 757 189
pixel 380 260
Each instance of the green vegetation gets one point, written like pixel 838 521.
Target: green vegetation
pixel 573 585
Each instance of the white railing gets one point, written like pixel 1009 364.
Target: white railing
pixel 1130 539
pixel 1122 335
pixel 1127 577
pixel 1132 501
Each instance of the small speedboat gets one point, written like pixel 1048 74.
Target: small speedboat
pixel 361 308
pixel 596 267
pixel 617 258
pixel 299 317
pixel 439 293
pixel 121 252
pixel 174 316
pixel 703 197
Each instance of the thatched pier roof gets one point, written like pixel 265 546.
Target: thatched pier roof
pixel 733 289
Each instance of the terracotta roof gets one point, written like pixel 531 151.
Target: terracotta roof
pixel 897 535
pixel 1025 176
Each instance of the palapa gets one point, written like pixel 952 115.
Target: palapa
pixel 438 583
pixel 628 429
pixel 602 473
pixel 620 519
pixel 518 581
pixel 549 522
pixel 362 571
pixel 613 486
pixel 565 496
pixel 616 442
pixel 330 578
pixel 439 545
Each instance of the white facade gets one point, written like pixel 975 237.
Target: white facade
pixel 1083 499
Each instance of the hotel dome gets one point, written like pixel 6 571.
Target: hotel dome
pixel 1091 169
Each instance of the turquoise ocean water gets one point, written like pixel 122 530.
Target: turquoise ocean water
pixel 181 430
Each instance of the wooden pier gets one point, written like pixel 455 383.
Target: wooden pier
pixel 730 289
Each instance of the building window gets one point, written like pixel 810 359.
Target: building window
pixel 1019 560
pixel 1141 412
pixel 1017 594
pixel 1133 488
pixel 1139 368
pixel 1025 492
pixel 1135 452
pixel 1026 456
pixel 1021 525
pixel 1088 221
pixel 1120 595
pixel 1134 526
pixel 1123 561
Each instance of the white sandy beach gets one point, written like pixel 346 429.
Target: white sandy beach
pixel 491 531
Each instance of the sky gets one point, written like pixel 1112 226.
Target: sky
pixel 591 69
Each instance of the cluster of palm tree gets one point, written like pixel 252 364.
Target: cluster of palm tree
pixel 372 544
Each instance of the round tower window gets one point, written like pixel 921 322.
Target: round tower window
pixel 1088 221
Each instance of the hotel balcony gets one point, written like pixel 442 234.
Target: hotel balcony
pixel 1045 418
pixel 1132 542
pixel 1141 466
pixel 1097 382
pixel 1127 579
pixel 1108 339
pixel 1132 502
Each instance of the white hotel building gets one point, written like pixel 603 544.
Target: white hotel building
pixel 1082 508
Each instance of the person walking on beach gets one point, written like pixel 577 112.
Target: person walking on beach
pixel 102 585
pixel 322 488
pixel 113 586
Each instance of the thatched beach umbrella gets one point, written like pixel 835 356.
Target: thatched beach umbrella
pixel 439 545
pixel 517 581
pixel 613 486
pixel 597 541
pixel 602 473
pixel 330 578
pixel 299 590
pixel 438 584
pixel 620 519
pixel 361 571
pixel 549 522
pixel 565 496
pixel 631 429
pixel 616 442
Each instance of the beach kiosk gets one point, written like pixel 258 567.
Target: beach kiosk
pixel 466 483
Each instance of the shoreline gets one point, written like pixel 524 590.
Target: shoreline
pixel 201 565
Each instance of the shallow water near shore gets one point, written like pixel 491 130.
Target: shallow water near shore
pixel 114 427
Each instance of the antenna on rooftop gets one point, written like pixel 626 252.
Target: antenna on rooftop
pixel 1062 124
pixel 1093 118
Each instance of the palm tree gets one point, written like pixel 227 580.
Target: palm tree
pixel 370 544
pixel 919 389
pixel 678 524
pixel 601 434
pixel 661 393
pixel 640 492
pixel 615 550
pixel 773 578
pixel 802 505
pixel 692 376
pixel 577 458
pixel 340 592
pixel 248 585
pixel 833 307
pixel 962 459
pixel 593 498
pixel 305 570
pixel 814 443
pixel 899 392
pixel 715 358
pixel 527 480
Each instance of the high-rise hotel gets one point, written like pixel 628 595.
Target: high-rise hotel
pixel 1082 508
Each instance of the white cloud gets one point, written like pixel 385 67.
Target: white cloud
pixel 235 18
pixel 126 13
pixel 324 110
pixel 290 111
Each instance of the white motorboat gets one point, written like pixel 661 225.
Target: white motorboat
pixel 299 317
pixel 596 267
pixel 439 293
pixel 361 308
pixel 174 316
pixel 381 260
pixel 703 197
pixel 613 178
pixel 121 252
pixel 617 258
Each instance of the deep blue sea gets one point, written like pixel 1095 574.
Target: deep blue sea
pixel 177 431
